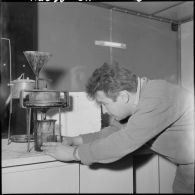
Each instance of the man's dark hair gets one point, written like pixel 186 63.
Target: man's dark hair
pixel 111 79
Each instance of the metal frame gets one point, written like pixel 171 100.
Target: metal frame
pixel 144 15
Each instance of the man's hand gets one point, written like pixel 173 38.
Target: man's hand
pixel 59 151
pixel 72 141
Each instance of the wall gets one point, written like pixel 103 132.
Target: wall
pixel 187 58
pixel 68 31
pixel 151 46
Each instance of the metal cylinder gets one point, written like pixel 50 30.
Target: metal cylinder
pixel 44 132
pixel 21 84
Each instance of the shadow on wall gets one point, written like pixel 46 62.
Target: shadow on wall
pixel 172 79
pixel 54 76
pixel 78 78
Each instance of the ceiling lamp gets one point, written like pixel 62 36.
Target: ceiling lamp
pixel 111 44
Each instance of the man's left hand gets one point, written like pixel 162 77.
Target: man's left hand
pixel 58 151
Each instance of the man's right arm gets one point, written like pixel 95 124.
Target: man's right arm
pixel 106 131
pixel 90 137
pixel 72 141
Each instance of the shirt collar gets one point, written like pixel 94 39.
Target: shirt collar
pixel 139 86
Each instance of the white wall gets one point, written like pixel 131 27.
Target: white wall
pixel 187 58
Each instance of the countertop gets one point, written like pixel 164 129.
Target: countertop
pixel 16 154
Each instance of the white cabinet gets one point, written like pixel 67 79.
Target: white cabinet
pixel 146 173
pixel 154 174
pixel 167 172
pixel 49 177
pixel 112 178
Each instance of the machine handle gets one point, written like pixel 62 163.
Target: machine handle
pixel 66 99
pixel 22 99
pixel 10 84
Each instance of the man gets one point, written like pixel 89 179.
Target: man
pixel 161 116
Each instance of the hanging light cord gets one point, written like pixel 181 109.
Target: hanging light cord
pixel 111 54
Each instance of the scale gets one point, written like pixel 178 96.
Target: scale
pixel 39 101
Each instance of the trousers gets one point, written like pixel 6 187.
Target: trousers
pixel 184 179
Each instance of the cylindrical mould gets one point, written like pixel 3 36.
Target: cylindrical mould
pixel 44 132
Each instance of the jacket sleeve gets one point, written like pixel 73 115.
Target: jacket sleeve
pixel 90 137
pixel 152 116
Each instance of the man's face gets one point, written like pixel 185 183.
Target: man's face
pixel 119 109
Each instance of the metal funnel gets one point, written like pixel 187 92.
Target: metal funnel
pixel 37 60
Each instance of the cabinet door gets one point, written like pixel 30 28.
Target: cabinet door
pixel 147 173
pixel 115 177
pixel 167 172
pixel 53 177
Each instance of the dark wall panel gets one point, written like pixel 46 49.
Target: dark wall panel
pixel 19 26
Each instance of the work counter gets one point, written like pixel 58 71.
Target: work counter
pixel 22 171
pixel 35 172
pixel 16 154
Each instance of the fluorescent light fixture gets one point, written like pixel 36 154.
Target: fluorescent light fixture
pixel 111 44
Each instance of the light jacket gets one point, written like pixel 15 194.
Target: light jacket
pixel 163 120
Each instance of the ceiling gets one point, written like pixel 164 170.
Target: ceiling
pixel 176 12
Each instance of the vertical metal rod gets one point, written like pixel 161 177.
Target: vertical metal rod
pixel 110 28
pixel 28 127
pixel 9 124
pixel 10 116
pixel 60 124
pixel 36 83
